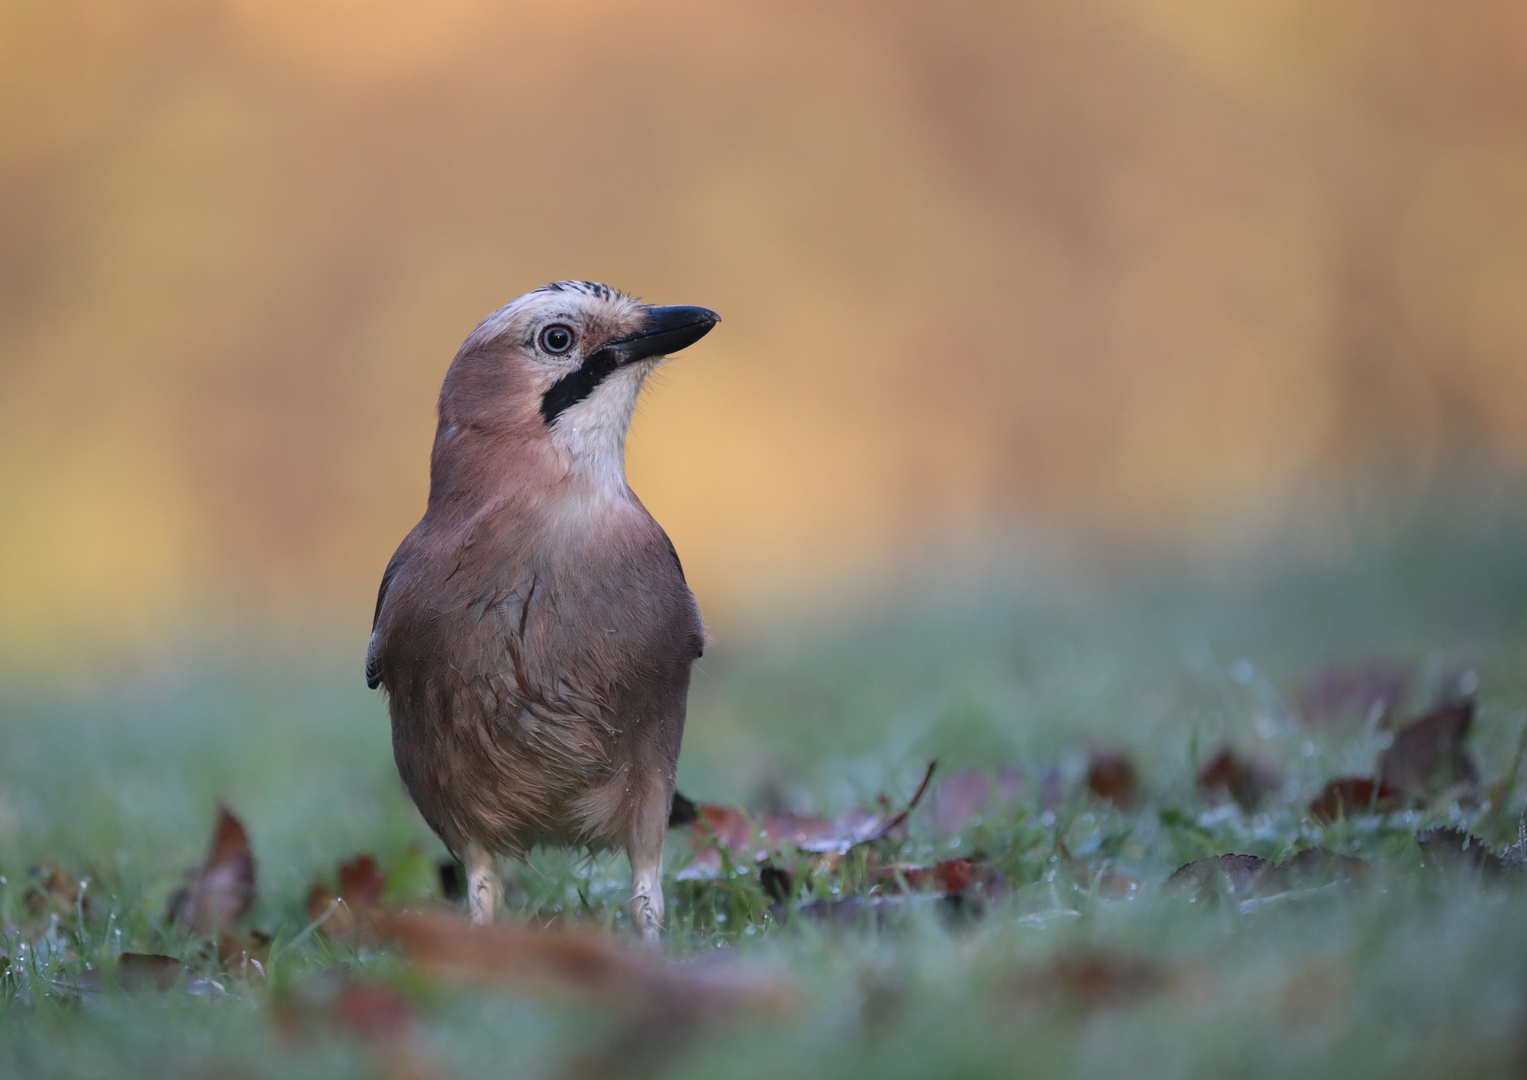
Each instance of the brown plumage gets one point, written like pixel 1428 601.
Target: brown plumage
pixel 534 631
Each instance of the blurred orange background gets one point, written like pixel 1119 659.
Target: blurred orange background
pixel 1130 267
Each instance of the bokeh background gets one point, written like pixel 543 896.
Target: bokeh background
pixel 1119 271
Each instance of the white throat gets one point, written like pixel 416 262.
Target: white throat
pixel 593 432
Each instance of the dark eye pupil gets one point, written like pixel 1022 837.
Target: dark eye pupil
pixel 557 339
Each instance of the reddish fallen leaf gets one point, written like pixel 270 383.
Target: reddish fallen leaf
pixel 1429 756
pixel 357 902
pixel 361 884
pixel 583 965
pixel 945 877
pixel 55 892
pixel 1353 693
pixel 1226 775
pixel 1351 796
pixel 1111 776
pixel 218 893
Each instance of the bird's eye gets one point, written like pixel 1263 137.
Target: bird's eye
pixel 556 339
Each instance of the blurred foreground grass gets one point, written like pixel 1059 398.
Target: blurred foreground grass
pixel 1028 663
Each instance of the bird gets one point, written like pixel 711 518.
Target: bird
pixel 534 632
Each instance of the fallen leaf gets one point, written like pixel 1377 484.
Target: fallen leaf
pixel 959 799
pixel 1353 693
pixel 241 953
pixel 944 877
pixel 218 893
pixel 1250 875
pixel 147 972
pixel 54 891
pixel 359 898
pixel 1111 776
pixel 734 830
pixel 360 883
pixel 1354 795
pixel 1221 875
pixel 1428 756
pixel 1226 775
pixel 582 965
pixel 1454 850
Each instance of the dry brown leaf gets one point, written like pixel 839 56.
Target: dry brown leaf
pixel 734 830
pixel 1226 775
pixel 1428 756
pixel 1350 796
pixel 1222 875
pixel 147 972
pixel 1250 875
pixel 355 905
pixel 1455 850
pixel 218 893
pixel 586 966
pixel 944 877
pixel 54 891
pixel 1111 776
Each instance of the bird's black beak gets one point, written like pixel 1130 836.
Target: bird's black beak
pixel 668 330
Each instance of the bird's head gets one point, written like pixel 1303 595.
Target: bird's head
pixel 562 366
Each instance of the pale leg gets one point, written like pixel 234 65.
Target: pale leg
pixel 485 889
pixel 646 854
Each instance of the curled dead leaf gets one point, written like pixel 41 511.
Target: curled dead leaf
pixel 218 893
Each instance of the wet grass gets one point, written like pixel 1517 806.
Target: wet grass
pixel 1414 971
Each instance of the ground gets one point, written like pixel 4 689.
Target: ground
pixel 1066 953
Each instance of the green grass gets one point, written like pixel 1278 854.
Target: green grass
pixel 1413 973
